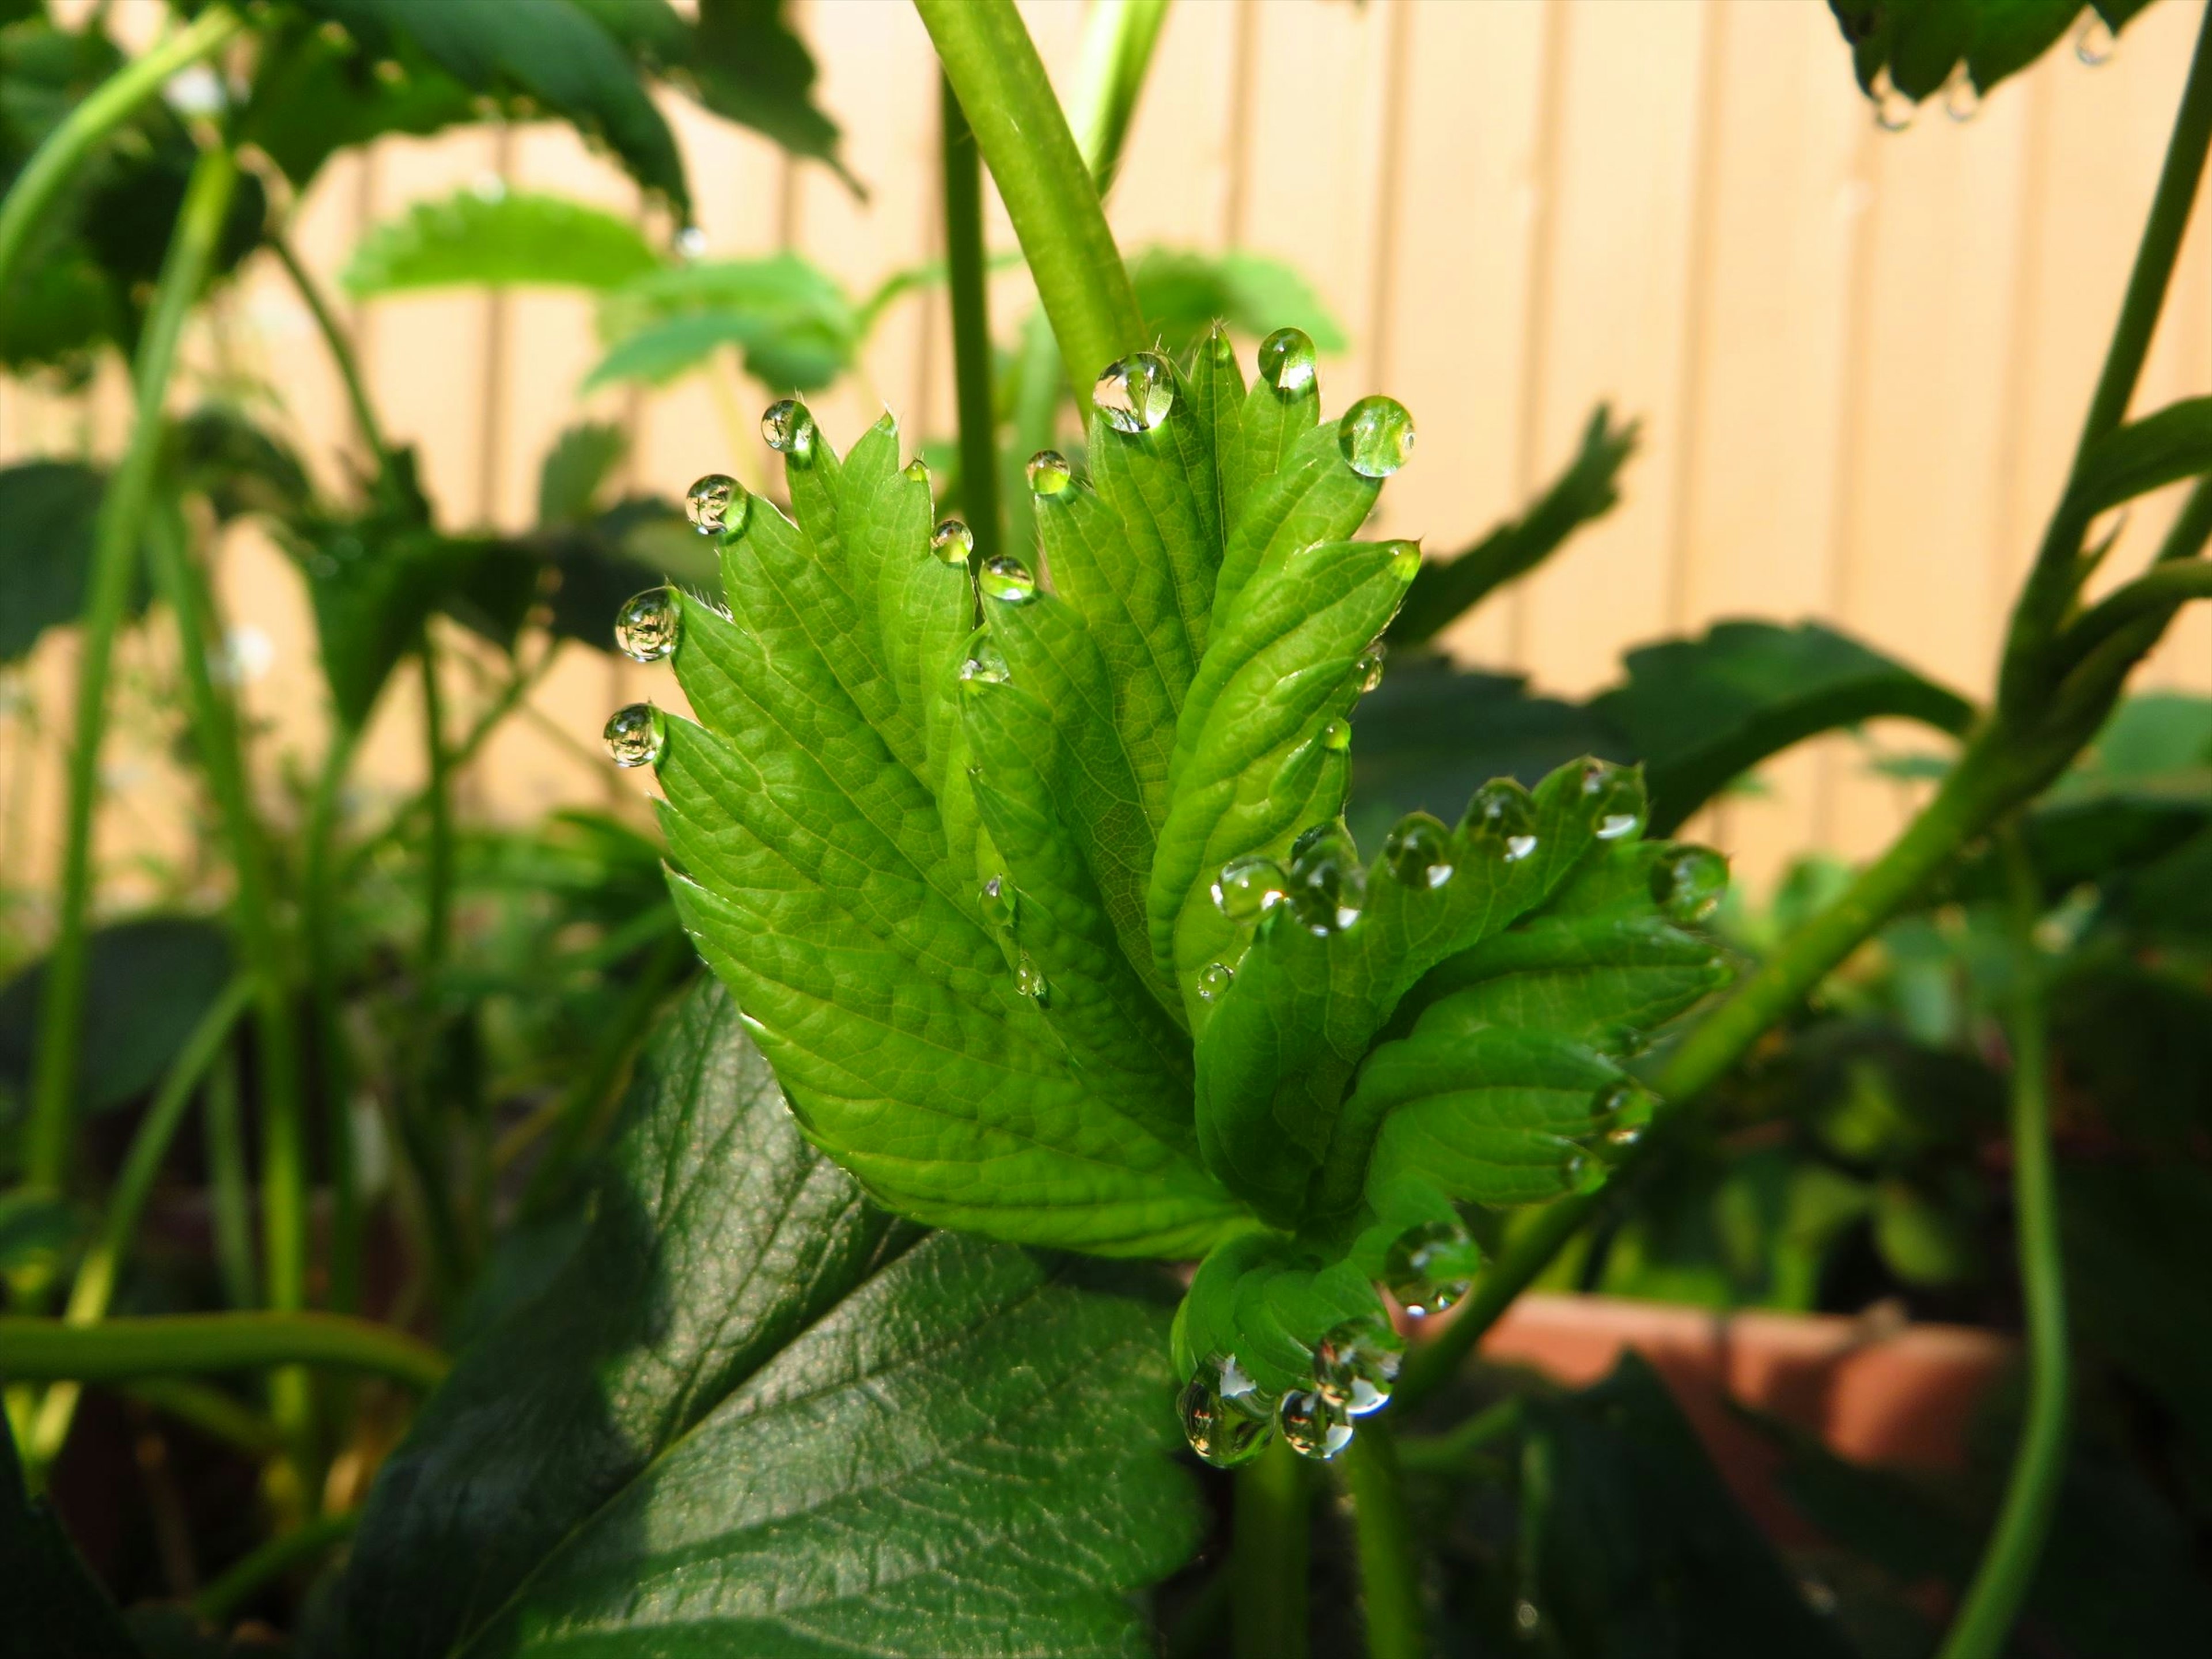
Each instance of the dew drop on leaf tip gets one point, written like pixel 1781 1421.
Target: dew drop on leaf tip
pixel 1429 1266
pixel 716 505
pixel 1616 797
pixel 985 664
pixel 1214 981
pixel 951 541
pixel 1367 672
pixel 1225 1418
pixel 1286 362
pixel 1136 393
pixel 1049 474
pixel 1029 981
pixel 1248 887
pixel 2094 42
pixel 1689 883
pixel 1504 815
pixel 1417 851
pixel 1336 736
pixel 1000 905
pixel 917 471
pixel 635 735
pixel 1376 437
pixel 1006 580
pixel 1355 1365
pixel 1328 888
pixel 788 427
pixel 1893 110
pixel 648 625
pixel 1312 1426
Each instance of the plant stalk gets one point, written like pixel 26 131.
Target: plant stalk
pixel 111 104
pixel 230 1201
pixel 340 346
pixel 1389 1564
pixel 2007 1566
pixel 1268 1551
pixel 319 929
pixel 969 277
pixel 224 1596
pixel 116 533
pixel 35 1350
pixel 94 1285
pixel 994 67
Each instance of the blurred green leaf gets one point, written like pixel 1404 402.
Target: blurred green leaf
pixel 792 320
pixel 577 470
pixel 1700 712
pixel 315 93
pixel 151 980
pixel 56 1608
pixel 1182 294
pixel 819 1429
pixel 1916 46
pixel 2147 454
pixel 223 453
pixel 46 513
pixel 1447 589
pixel 495 236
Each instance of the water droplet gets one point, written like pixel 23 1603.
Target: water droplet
pixel 789 428
pixel 1367 672
pixel 1503 813
pixel 1214 981
pixel 887 422
pixel 1049 474
pixel 1219 347
pixel 1376 436
pixel 984 662
pixel 1029 981
pixel 917 471
pixel 1615 797
pixel 1893 109
pixel 1405 559
pixel 1687 883
pixel 1007 579
pixel 1356 1363
pixel 1311 1426
pixel 1624 1107
pixel 1525 1619
pixel 1000 903
pixel 1328 884
pixel 1962 99
pixel 647 625
pixel 1248 887
pixel 1286 362
pixel 1336 736
pixel 691 242
pixel 1136 393
pixel 2093 43
pixel 1225 1417
pixel 1428 1266
pixel 1417 851
pixel 953 541
pixel 635 734
pixel 716 504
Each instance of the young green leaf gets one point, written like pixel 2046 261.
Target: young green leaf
pixel 498 237
pixel 46 510
pixel 747 1391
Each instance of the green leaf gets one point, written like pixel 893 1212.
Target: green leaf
pixel 1447 589
pixel 151 982
pixel 553 51
pixel 46 512
pixel 316 93
pixel 497 237
pixel 754 1414
pixel 792 321
pixel 744 63
pixel 1702 712
pixel 576 468
pixel 221 452
pixel 1916 46
pixel 57 1609
pixel 1183 293
pixel 2145 455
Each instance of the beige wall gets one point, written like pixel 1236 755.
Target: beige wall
pixel 1859 356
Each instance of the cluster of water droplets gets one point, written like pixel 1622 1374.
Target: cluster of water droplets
pixel 2094 43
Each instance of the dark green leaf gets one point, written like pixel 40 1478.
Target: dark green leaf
pixel 46 513
pixel 1701 712
pixel 792 319
pixel 754 1414
pixel 56 1609
pixel 316 93
pixel 744 63
pixel 2145 455
pixel 151 982
pixel 554 51
pixel 240 466
pixel 1447 589
pixel 1182 294
pixel 577 470
pixel 498 237
pixel 1916 46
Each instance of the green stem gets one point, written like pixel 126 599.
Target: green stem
pixel 210 1410
pixel 35 1350
pixel 969 277
pixel 2031 1491
pixel 280 1555
pixel 318 927
pixel 111 104
pixel 340 346
pixel 1389 1564
pixel 2007 1566
pixel 107 590
pixel 2175 578
pixel 1268 1552
pixel 230 1201
pixel 994 67
pixel 1449 1453
pixel 438 861
pixel 94 1285
pixel 2051 585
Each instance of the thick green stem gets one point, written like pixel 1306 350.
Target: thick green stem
pixel 111 104
pixel 2007 1566
pixel 1389 1564
pixel 340 347
pixel 2051 584
pixel 33 1350
pixel 1268 1552
pixel 1043 178
pixel 95 1284
pixel 107 590
pixel 280 1555
pixel 969 277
